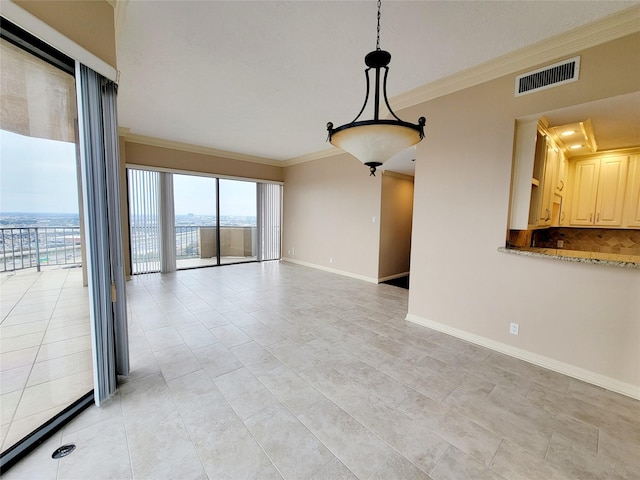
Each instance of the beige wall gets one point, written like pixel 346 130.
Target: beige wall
pixel 328 208
pixel 174 159
pixel 88 23
pixel 582 318
pixel 396 214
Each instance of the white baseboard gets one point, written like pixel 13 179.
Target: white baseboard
pixel 392 277
pixel 331 270
pixel 588 376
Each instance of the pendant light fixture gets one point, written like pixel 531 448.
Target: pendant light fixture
pixel 375 141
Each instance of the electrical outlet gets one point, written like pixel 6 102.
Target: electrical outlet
pixel 331 260
pixel 514 328
pixel 373 219
pixel 289 252
pixel 560 243
pixel 293 250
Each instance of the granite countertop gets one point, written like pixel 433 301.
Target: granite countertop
pixel 612 260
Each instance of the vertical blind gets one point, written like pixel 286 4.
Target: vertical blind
pixel 269 220
pixel 100 169
pixel 144 220
pixel 112 175
pixel 167 219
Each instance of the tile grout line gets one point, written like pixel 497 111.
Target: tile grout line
pixel 21 297
pixel 13 417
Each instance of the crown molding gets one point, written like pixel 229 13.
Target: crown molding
pixel 329 152
pixel 187 147
pixel 623 23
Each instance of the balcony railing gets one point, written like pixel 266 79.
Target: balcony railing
pixel 188 241
pixel 192 242
pixel 28 247
pixel 200 241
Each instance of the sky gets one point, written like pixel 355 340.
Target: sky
pixel 197 195
pixel 39 176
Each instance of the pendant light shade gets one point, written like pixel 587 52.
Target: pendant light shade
pixel 373 142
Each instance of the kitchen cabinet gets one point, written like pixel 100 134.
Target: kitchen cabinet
pixel 524 183
pixel 548 185
pixel 599 191
pixel 535 195
pixel 631 213
pixel 563 169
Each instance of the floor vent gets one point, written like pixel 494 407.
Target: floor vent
pixel 550 76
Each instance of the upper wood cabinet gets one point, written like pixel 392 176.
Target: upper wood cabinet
pixel 547 213
pixel 539 178
pixel 631 211
pixel 599 191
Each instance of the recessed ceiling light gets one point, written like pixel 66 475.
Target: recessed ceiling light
pixel 575 147
pixel 567 133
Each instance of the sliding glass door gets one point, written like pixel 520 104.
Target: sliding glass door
pixel 195 201
pixel 46 359
pixel 238 221
pixel 206 220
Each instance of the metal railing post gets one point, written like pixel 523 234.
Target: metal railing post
pixel 21 249
pixel 4 252
pixel 13 249
pixel 37 251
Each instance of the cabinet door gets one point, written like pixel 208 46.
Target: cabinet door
pixel 632 202
pixel 523 167
pixel 611 186
pixel 548 184
pixel 585 187
pixel 561 183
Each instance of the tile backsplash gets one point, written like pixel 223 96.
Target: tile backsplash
pixel 604 240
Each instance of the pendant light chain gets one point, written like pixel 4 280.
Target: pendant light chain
pixel 378 37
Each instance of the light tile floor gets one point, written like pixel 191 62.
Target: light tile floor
pixel 273 370
pixel 185 263
pixel 45 348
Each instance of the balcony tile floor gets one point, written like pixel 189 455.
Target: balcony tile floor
pixel 45 350
pixel 273 370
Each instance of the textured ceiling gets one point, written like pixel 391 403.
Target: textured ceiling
pixel 263 78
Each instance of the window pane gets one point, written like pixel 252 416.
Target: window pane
pixel 238 232
pixel 195 213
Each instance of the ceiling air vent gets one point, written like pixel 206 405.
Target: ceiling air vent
pixel 550 76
